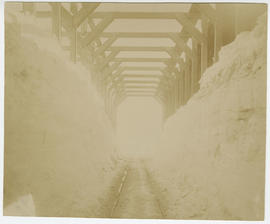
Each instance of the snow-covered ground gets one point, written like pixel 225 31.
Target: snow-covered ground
pixel 210 162
pixel 59 143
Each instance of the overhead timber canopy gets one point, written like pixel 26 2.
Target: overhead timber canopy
pixel 143 49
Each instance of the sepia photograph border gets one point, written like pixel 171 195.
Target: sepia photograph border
pixel 51 220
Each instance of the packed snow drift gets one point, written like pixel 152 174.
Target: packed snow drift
pixel 211 159
pixel 59 143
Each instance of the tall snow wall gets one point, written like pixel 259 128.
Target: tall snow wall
pixel 211 159
pixel 58 140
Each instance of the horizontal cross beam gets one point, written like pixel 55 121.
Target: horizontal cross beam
pixel 127 48
pixel 141 59
pixel 140 15
pixel 142 68
pixel 142 34
pixel 140 76
pixel 140 82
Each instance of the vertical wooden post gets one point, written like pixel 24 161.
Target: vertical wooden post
pixel 185 85
pixel 174 104
pixel 177 90
pixel 181 92
pixel 204 47
pixel 199 66
pixel 57 19
pixel 73 44
pixel 194 72
pixel 188 79
pixel 218 30
pixel 73 34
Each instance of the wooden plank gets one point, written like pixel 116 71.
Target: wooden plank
pixel 139 95
pixel 190 27
pixel 98 29
pixel 57 19
pixel 66 19
pixel 113 76
pixel 84 12
pixel 107 44
pixel 143 34
pixel 194 70
pixel 141 76
pixel 204 48
pixel 140 81
pixel 207 10
pixel 109 58
pixel 140 91
pixel 168 50
pixel 73 45
pixel 182 45
pixel 140 87
pixel 218 31
pixel 109 71
pixel 139 15
pixel 140 59
pixel 142 68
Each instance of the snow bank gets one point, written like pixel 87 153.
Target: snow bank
pixel 58 140
pixel 210 162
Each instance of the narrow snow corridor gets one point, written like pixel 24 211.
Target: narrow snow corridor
pixel 137 198
pixel 133 194
pixel 137 111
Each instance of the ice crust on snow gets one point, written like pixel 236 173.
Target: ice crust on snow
pixel 210 161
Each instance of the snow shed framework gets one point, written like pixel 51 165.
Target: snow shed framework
pixel 178 79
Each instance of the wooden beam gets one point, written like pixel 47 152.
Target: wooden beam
pixel 141 59
pixel 66 19
pixel 142 68
pixel 95 33
pixel 109 58
pixel 181 44
pixel 139 95
pixel 204 48
pixel 110 69
pixel 207 10
pixel 143 34
pixel 194 68
pixel 140 87
pixel 154 49
pixel 84 12
pixel 106 44
pixel 140 82
pixel 139 15
pixel 190 27
pixel 57 19
pixel 140 91
pixel 141 76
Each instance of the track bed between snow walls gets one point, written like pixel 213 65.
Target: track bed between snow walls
pixel 211 159
pixel 55 123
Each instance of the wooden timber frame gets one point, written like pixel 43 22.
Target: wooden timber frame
pixel 178 79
